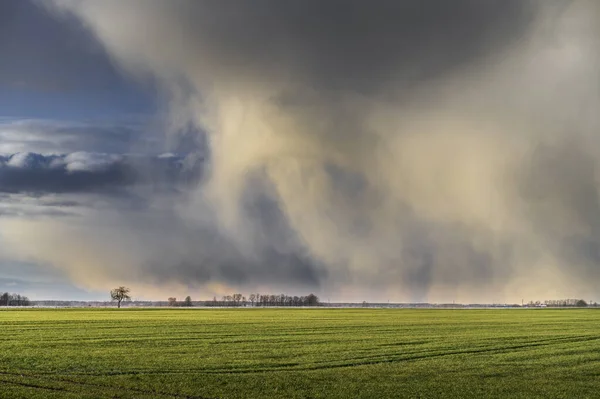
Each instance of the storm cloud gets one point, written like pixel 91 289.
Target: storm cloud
pixel 399 149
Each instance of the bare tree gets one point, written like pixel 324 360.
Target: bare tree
pixel 237 298
pixel 120 294
pixel 172 301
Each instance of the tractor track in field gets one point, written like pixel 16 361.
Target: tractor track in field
pixel 369 360
pixel 166 354
pixel 59 379
pixel 29 385
pixel 290 367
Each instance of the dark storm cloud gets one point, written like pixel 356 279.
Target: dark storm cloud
pixel 42 54
pixel 345 45
pixel 559 189
pixel 353 44
pixel 198 254
pixel 386 136
pixel 210 257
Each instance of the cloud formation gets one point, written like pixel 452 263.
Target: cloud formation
pixel 412 150
pixel 41 53
pixel 94 172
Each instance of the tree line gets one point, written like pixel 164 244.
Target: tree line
pixel 122 294
pixel 567 303
pixel 187 302
pixel 263 300
pixel 7 299
pixel 559 303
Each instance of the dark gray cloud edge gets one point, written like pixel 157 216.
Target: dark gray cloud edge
pixel 94 172
pixel 349 45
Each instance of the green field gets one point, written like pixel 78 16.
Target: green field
pixel 299 353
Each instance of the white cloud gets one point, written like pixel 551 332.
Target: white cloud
pixel 90 162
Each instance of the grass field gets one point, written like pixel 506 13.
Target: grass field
pixel 299 353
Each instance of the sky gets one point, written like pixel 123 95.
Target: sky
pixel 411 150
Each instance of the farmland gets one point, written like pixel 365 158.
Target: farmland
pixel 299 353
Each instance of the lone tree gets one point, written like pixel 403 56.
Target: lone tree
pixel 188 301
pixel 581 303
pixel 120 294
pixel 312 300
